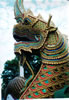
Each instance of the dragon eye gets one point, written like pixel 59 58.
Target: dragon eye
pixel 27 21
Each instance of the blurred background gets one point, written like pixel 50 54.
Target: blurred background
pixel 57 8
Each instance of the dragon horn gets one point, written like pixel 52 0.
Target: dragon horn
pixel 49 20
pixel 22 5
pixel 19 8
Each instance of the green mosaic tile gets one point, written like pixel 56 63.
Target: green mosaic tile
pixel 36 93
pixel 29 96
pixel 49 73
pixel 39 84
pixel 33 87
pixel 44 90
pixel 37 79
pixel 45 68
pixel 46 81
pixel 42 75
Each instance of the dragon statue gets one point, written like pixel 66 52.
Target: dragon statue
pixel 43 53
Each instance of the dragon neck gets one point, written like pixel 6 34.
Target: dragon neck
pixel 55 50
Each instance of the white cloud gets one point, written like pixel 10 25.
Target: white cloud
pixel 61 18
pixel 3 3
pixel 49 4
pixel 28 4
pixel 6 38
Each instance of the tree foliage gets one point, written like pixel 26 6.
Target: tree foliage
pixel 11 70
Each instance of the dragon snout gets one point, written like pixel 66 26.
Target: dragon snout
pixel 25 34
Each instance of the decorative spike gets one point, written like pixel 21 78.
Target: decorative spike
pixel 49 20
pixel 29 12
pixel 39 17
pixel 53 29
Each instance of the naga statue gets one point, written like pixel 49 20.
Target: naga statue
pixel 43 53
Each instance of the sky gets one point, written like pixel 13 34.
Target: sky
pixel 57 8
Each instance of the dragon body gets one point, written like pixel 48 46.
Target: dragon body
pixel 43 52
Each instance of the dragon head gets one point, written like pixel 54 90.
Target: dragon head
pixel 30 31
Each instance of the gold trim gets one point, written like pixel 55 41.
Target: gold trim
pixel 46 87
pixel 33 80
pixel 57 56
pixel 49 20
pixel 31 72
pixel 58 43
pixel 56 62
pixel 55 52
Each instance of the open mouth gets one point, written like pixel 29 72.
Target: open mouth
pixel 26 35
pixel 22 39
pixel 26 38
